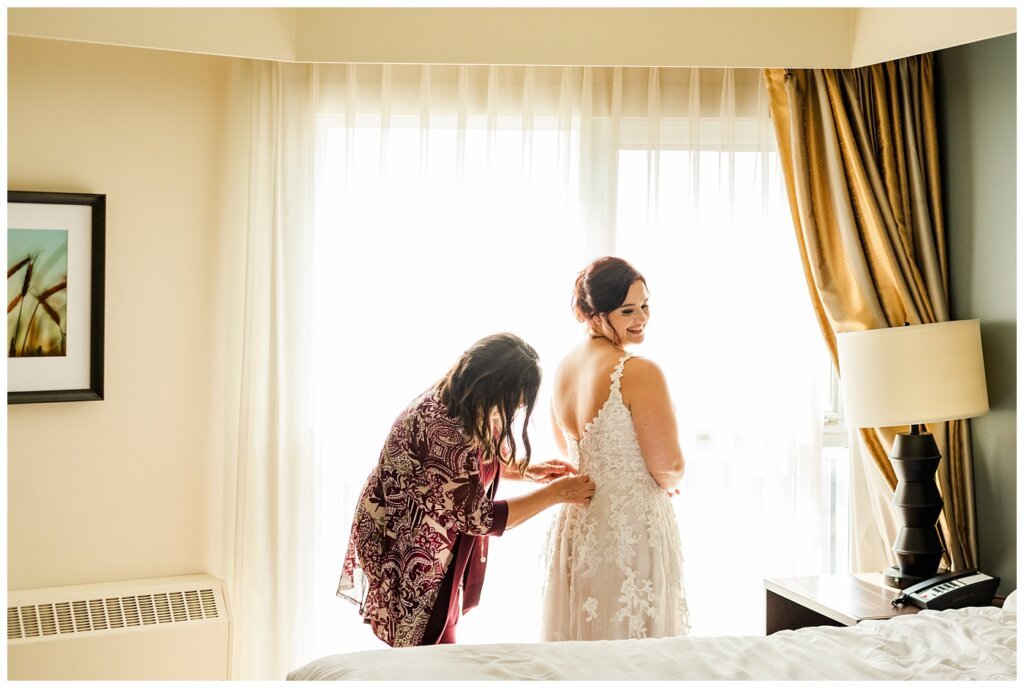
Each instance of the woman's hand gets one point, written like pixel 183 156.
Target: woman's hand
pixel 575 489
pixel 552 469
pixel 571 489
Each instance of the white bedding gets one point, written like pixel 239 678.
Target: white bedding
pixel 974 643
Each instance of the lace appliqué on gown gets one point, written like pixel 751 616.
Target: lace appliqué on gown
pixel 615 566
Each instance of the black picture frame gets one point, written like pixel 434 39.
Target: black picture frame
pixel 76 372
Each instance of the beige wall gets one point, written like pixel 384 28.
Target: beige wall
pixel 133 486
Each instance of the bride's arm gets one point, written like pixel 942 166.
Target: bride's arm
pixel 645 393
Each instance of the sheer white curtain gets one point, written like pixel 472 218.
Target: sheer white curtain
pixel 873 526
pixel 701 209
pixel 272 594
pixel 452 202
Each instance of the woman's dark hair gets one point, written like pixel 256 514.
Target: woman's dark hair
pixel 601 287
pixel 500 371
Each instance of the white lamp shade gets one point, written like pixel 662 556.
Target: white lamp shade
pixel 912 374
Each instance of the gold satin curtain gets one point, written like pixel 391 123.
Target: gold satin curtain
pixel 859 152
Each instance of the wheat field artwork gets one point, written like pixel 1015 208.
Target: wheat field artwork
pixel 37 303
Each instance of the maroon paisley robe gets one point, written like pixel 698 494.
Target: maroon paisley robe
pixel 425 491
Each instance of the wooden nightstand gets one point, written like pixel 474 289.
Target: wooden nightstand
pixel 839 600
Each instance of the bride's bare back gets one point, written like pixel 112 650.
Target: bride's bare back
pixel 582 384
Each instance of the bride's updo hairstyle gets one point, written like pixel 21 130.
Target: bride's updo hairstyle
pixel 500 371
pixel 601 287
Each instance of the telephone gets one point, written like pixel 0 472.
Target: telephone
pixel 969 588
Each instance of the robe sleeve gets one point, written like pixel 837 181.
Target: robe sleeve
pixel 452 492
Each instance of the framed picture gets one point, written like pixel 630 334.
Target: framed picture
pixel 55 266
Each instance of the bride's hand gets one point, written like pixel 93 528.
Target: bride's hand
pixel 549 470
pixel 576 489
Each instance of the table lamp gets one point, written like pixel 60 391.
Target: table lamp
pixel 912 375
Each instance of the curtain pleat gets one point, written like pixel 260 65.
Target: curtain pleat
pixel 653 141
pixel 860 156
pixel 275 517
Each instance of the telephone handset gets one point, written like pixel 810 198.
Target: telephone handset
pixel 969 588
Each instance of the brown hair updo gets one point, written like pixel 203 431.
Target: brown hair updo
pixel 601 287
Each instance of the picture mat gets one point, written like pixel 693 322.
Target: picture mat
pixel 72 371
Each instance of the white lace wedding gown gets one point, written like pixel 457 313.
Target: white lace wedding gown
pixel 615 565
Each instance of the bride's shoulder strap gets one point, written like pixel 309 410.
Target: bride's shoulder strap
pixel 617 373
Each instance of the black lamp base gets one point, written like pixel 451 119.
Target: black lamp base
pixel 915 458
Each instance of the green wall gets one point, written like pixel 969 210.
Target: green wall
pixel 976 98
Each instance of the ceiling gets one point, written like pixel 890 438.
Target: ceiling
pixel 834 37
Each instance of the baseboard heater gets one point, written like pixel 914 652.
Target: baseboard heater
pixel 152 629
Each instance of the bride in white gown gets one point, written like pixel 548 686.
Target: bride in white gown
pixel 615 565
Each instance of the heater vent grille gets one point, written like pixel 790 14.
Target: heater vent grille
pixel 54 619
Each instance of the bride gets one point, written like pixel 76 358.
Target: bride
pixel 615 565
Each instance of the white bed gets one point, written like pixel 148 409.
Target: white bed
pixel 978 643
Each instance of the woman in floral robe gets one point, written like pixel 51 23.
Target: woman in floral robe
pixel 418 545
